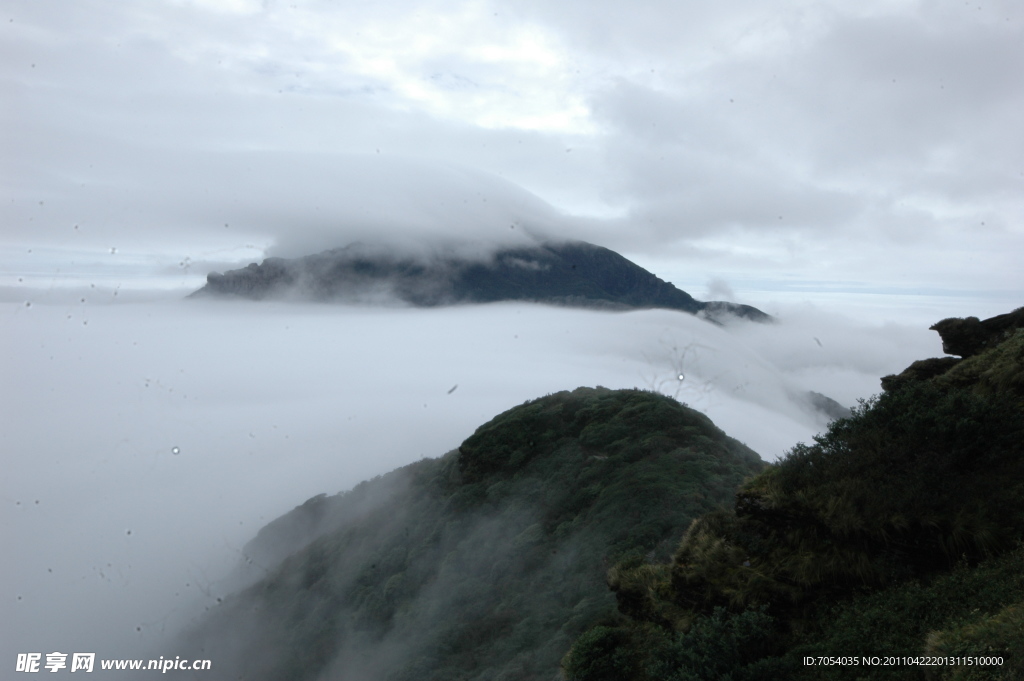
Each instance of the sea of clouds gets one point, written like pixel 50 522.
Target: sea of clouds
pixel 147 440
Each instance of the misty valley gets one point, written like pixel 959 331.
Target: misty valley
pixel 587 534
pixel 590 533
pixel 599 534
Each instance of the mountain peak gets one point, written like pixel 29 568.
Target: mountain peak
pixel 572 273
pixel 485 563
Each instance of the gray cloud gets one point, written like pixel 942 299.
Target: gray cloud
pixel 162 124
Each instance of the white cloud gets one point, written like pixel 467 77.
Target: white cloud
pixel 191 424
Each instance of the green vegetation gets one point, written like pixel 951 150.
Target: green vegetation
pixel 896 533
pixel 488 562
pixel 967 611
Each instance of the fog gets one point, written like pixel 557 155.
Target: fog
pixel 149 440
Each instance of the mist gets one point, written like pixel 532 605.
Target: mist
pixel 152 440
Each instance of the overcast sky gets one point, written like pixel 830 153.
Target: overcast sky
pixel 811 146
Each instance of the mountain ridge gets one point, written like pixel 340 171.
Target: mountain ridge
pixel 485 563
pixel 572 273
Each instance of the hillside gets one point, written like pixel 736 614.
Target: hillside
pixel 485 563
pixel 898 532
pixel 565 273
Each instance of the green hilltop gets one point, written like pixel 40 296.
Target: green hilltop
pixel 486 563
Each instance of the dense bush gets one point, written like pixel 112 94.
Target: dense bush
pixel 915 480
pixel 964 612
pixel 888 535
pixel 720 647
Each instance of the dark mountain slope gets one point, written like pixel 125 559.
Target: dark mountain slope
pixel 486 563
pixel 568 273
pixel 898 532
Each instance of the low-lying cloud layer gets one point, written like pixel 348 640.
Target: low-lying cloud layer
pixel 154 439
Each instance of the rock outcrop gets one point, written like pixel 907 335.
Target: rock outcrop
pixel 969 336
pixel 965 337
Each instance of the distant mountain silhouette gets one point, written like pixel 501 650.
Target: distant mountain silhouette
pixel 576 274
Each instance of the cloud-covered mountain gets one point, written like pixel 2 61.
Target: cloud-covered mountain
pixel 576 273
